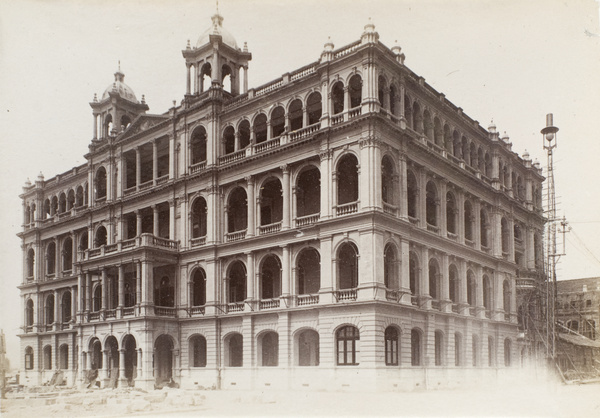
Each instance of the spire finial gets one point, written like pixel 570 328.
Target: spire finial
pixel 217 6
pixel 119 65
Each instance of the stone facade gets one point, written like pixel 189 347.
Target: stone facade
pixel 342 226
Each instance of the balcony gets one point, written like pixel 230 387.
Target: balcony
pixel 196 311
pixel 235 236
pixel 307 220
pixel 433 228
pixel 234 307
pixel 347 208
pixel 267 145
pixel 393 295
pixel 304 132
pixel 197 242
pixel 435 304
pixel 165 311
pixel 111 313
pixel 144 240
pixel 269 303
pixel 196 168
pixel 129 311
pixel 304 300
pixel 390 209
pixel 269 229
pixel 346 294
pixel 233 157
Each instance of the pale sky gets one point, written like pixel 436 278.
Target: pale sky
pixel 511 61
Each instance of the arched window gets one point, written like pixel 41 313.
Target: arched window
pixel 415 347
pixel 165 294
pixel 347 339
pixel 453 283
pixel 237 282
pixel 434 280
pixel 469 221
pixel 63 355
pixel 47 357
pixel 314 107
pixel 30 263
pixel 391 346
pixel 308 192
pixel 381 90
pixel 506 294
pixel 205 78
pixel 347 261
pixel 505 234
pixel 226 78
pixel 271 202
pixel 108 126
pixel 413 271
pixel 277 121
pixel 270 277
pixel 355 90
pixel 70 199
pixel 199 213
pixel 83 241
pixel 51 258
pixel 390 275
pixel 198 145
pixel 439 348
pixel 197 351
pixel 418 118
pixel 67 254
pixel 269 347
pixel 308 348
pixel 96 353
pixel 451 213
pixel 199 288
pixel 66 307
pixel 29 313
pixel 484 227
pixel 507 348
pixel 236 351
pixel 412 194
pixel 100 183
pixel 471 288
pixel 309 271
pixel 387 180
pixel 97 299
pixel 62 203
pixel 237 215
pixel 491 351
pixel 28 358
pixel 431 203
pixel 79 198
pixel 448 143
pixel 125 122
pixel 473 155
pixel 49 311
pixel 229 139
pixel 408 115
pixel 457 349
pixel 260 128
pixel 244 134
pixel 457 144
pixel 393 98
pixel 101 237
pixel 295 114
pixel 428 126
pixel 487 293
pixel 337 97
pixel 475 350
pixel 465 150
pixel 347 183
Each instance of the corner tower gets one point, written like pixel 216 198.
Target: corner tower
pixel 216 61
pixel 117 108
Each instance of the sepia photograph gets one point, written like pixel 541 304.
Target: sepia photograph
pixel 300 208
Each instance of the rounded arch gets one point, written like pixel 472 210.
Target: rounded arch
pixel 435 290
pixel 388 174
pixel 229 139
pixel 390 266
pixel 198 140
pixel 100 236
pixel 164 345
pixel 307 343
pixel 259 126
pixel 337 97
pixel 347 265
pixel 30 262
pixel 236 280
pixel 29 312
pixel 271 201
pixel 314 107
pixel 197 350
pixel 347 174
pixel 347 345
pixel 66 306
pixel 199 217
pixel 268 347
pixel 355 90
pixel 270 276
pixel 233 344
pixel 237 210
pixel 439 340
pixel 451 213
pixel 412 195
pixel 100 182
pixel 392 343
pixel 308 190
pixel 277 119
pixel 243 130
pixel 431 203
pixel 416 348
pixel 453 283
pixel 308 268
pixel 295 114
pixel 414 272
pixel 198 287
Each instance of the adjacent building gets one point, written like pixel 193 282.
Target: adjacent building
pixel 343 226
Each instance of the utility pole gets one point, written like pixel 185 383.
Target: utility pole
pixel 550 140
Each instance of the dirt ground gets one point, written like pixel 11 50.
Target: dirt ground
pixel 545 400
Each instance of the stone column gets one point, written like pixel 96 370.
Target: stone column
pixel 155 225
pixel 286 197
pixel 57 311
pixel 172 235
pixel 285 271
pixel 154 160
pixel 188 79
pixel 104 290
pixel 424 278
pixel 251 205
pixel 250 276
pixel 445 284
pixel 422 196
pixel 460 201
pixel 88 292
pixel 443 223
pixel 477 223
pixel 121 298
pixel 326 190
pixel 74 304
pixel 122 378
pixel 138 283
pixel 138 168
pixel 172 156
pixel 405 270
pixel 403 187
pixel 327 271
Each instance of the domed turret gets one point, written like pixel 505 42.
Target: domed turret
pixel 119 87
pixel 217 29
